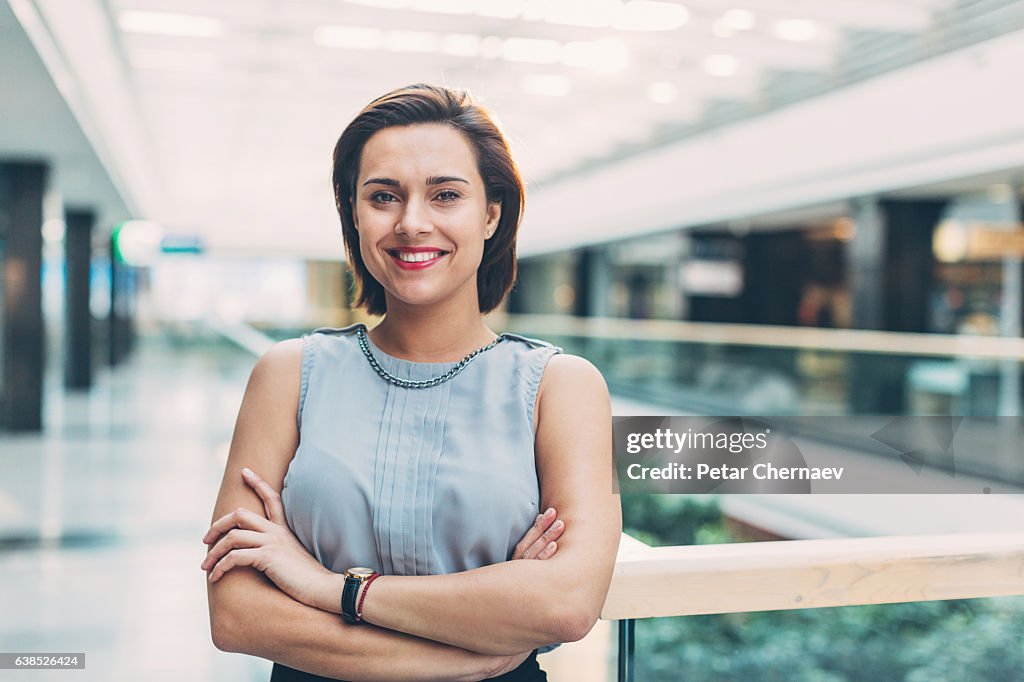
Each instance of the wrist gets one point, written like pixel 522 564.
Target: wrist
pixel 329 595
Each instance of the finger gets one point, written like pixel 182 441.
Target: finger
pixel 234 559
pixel 233 539
pixel 551 534
pixel 271 498
pixel 548 551
pixel 540 524
pixel 240 518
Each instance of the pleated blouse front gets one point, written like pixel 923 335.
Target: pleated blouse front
pixel 414 481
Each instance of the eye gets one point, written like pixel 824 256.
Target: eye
pixel 448 196
pixel 382 197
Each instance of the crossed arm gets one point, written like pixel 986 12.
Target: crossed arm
pixel 462 626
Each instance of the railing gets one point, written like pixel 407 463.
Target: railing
pixel 655 582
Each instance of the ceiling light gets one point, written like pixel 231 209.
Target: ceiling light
pixel 532 50
pixel 350 37
pixel 410 41
pixel 721 65
pixel 605 56
pixel 662 92
pixel 645 15
pixel 797 30
pixel 461 44
pixel 170 24
pixel 739 19
pixel 733 21
pixel 547 84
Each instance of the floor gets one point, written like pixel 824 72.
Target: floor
pixel 101 519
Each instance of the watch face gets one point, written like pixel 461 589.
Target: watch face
pixel 360 572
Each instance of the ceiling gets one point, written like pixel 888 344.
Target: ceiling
pixel 219 118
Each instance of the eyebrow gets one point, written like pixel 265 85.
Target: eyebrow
pixel 432 180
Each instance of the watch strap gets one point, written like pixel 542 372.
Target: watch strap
pixel 348 600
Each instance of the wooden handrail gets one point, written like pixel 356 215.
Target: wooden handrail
pixel 798 574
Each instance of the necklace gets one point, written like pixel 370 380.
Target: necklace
pixel 364 345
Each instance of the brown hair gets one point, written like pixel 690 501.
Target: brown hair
pixel 418 104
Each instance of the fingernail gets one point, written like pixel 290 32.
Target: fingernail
pixel 246 471
pixel 549 512
pixel 551 546
pixel 557 524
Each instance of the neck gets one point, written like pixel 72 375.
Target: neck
pixel 431 334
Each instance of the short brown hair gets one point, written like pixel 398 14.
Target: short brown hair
pixel 418 104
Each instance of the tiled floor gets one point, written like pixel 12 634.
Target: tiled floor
pixel 125 476
pixel 120 488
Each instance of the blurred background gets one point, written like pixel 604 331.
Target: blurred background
pixel 734 208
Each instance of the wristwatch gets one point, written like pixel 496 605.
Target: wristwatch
pixel 354 579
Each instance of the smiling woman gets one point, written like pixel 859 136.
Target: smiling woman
pixel 415 458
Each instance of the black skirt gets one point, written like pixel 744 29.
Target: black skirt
pixel 528 671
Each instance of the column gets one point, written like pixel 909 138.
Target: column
pixel 22 185
pixel 78 318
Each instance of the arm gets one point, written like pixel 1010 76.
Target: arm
pixel 519 605
pixel 250 615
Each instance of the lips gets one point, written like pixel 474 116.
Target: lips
pixel 416 258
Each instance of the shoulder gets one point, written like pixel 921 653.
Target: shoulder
pixel 278 368
pixel 569 379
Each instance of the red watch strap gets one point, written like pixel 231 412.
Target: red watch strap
pixel 362 597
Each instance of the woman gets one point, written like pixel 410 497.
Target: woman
pixel 428 444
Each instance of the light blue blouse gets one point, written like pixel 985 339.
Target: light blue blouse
pixel 414 481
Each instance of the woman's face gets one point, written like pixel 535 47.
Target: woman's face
pixel 422 214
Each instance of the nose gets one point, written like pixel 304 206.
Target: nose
pixel 414 221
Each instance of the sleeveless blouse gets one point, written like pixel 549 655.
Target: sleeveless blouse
pixel 414 481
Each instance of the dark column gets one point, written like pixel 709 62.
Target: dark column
pixel 118 342
pixel 593 282
pixel 22 185
pixel 909 262
pixel 77 316
pixel 890 268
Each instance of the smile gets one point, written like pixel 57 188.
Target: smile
pixel 416 260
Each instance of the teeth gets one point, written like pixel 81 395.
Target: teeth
pixel 419 257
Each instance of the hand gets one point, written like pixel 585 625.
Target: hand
pixel 244 538
pixel 540 541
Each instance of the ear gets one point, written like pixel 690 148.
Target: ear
pixel 493 216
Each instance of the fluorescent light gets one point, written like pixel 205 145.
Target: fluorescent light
pixel 732 21
pixel 410 41
pixel 662 92
pixel 170 24
pixel 605 56
pixel 646 15
pixel 739 19
pixel 351 37
pixel 461 44
pixel 547 84
pixel 796 30
pixel 532 50
pixel 721 65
